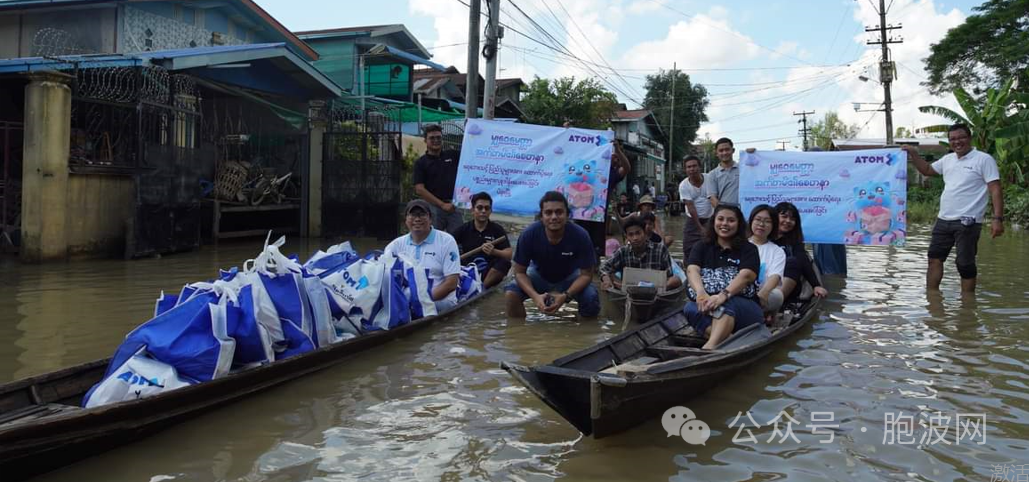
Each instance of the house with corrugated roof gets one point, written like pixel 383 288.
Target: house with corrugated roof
pixel 148 121
pixel 643 142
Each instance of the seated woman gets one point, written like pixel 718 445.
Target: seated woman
pixel 638 252
pixel 721 273
pixel 798 265
pixel 764 224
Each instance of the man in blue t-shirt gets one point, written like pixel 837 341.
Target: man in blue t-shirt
pixel 553 255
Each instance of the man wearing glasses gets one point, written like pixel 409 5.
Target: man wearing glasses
pixel 432 249
pixel 968 174
pixel 494 261
pixel 434 176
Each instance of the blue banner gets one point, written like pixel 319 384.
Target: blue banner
pixel 844 197
pixel 517 163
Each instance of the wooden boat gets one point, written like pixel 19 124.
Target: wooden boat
pixel 642 302
pixel 43 427
pixel 639 374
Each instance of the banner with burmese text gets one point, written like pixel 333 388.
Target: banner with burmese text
pixel 844 197
pixel 517 163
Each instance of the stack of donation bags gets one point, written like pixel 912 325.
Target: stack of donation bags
pixel 273 309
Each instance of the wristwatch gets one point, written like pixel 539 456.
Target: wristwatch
pixel 998 218
pixel 727 294
pixel 568 295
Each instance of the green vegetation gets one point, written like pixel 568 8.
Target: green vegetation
pixel 991 46
pixel 584 103
pixel 924 203
pixel 690 102
pixel 829 128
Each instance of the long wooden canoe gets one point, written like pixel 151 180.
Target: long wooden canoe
pixel 637 375
pixel 44 427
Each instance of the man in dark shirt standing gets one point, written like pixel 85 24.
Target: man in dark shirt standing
pixel 494 261
pixel 553 255
pixel 434 177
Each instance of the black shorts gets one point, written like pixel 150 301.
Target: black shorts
pixel 946 234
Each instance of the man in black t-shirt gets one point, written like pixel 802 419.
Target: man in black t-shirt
pixel 494 261
pixel 434 176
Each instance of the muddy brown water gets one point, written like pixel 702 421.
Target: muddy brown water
pixel 436 406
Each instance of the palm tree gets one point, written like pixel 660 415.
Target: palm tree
pixel 999 121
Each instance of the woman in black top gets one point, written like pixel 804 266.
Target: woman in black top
pixel 721 273
pixel 798 264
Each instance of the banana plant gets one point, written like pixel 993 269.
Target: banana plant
pixel 999 121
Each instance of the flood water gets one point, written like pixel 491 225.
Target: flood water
pixel 436 406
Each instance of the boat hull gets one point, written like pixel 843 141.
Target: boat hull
pixel 31 445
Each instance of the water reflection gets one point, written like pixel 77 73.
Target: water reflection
pixel 435 406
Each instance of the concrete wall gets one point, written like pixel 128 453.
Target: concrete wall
pixel 90 30
pixel 97 208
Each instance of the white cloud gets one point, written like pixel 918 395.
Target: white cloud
pixel 706 41
pixel 642 7
pixel 450 20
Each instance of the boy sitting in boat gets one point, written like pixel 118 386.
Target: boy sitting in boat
pixel 430 248
pixel 494 257
pixel 639 252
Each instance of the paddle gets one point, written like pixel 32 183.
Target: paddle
pixel 479 249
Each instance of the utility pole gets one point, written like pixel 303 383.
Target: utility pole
pixel 489 97
pixel 887 70
pixel 782 144
pixel 471 95
pixel 671 123
pixel 805 130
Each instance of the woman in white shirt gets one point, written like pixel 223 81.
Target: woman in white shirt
pixel 764 226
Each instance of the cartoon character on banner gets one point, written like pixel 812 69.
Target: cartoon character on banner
pixel 581 185
pixel 877 218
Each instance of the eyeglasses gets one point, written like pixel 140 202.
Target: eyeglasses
pixel 435 138
pixel 417 214
pixel 763 221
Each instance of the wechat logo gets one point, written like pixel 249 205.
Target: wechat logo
pixel 682 422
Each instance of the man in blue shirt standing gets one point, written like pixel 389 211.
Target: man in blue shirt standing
pixel 553 255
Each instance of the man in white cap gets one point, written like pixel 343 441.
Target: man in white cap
pixel 431 248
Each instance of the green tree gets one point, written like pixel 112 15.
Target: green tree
pixel 690 102
pixel 902 132
pixel 999 121
pixel 829 128
pixel 583 104
pixel 991 46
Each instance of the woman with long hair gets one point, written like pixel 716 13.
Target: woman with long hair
pixel 764 226
pixel 799 267
pixel 721 273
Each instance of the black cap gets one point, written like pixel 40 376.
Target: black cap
pixel 417 203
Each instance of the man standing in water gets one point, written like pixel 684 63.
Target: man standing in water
pixel 553 255
pixel 968 175
pixel 434 176
pixel 693 192
pixel 723 182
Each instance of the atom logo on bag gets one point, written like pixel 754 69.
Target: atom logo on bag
pixel 683 422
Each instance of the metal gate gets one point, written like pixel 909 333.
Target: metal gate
pixel 11 140
pixel 361 171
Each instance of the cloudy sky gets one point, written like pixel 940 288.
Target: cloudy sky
pixel 761 61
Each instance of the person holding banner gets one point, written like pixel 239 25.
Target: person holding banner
pixel 434 176
pixel 968 174
pixel 721 273
pixel 494 260
pixel 553 255
pixel 432 249
pixel 724 180
pixel 693 192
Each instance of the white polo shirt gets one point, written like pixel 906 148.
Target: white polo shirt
pixel 696 195
pixel 438 252
pixel 773 261
pixel 964 184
